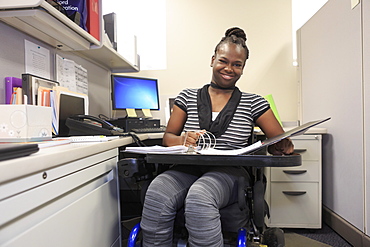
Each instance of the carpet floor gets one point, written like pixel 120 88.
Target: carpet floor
pixel 324 237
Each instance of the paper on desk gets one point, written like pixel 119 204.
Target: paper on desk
pixel 157 149
pixel 250 148
pixel 147 113
pixel 131 112
pixel 98 138
pixel 184 149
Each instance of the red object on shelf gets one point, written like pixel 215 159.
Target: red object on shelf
pixel 93 20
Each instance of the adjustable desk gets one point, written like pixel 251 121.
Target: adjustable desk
pixel 258 161
pixel 225 160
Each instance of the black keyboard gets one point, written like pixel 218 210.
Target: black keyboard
pixel 149 130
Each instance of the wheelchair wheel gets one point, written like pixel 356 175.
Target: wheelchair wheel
pixel 242 194
pixel 242 237
pixel 273 237
pixel 259 204
pixel 132 240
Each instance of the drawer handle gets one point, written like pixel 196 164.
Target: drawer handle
pixel 294 193
pixel 300 150
pixel 294 172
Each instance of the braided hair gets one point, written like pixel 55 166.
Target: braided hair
pixel 237 36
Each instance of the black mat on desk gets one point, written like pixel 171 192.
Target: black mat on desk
pixel 16 150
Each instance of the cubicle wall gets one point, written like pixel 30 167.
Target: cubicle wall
pixel 366 79
pixel 12 61
pixel 333 73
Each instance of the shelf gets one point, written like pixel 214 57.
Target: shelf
pixel 40 20
pixel 110 58
pixel 41 25
pixel 50 26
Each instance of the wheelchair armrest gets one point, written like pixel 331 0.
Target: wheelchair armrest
pixel 135 168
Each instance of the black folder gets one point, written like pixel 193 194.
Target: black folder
pixel 16 150
pixel 300 130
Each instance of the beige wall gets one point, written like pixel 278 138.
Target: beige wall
pixel 194 27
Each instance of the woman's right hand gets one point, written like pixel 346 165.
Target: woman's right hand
pixel 191 138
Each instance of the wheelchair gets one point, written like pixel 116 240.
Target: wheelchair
pixel 250 198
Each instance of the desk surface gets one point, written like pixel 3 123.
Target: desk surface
pixel 226 160
pixel 50 157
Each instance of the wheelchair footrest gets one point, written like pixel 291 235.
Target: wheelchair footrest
pixel 273 237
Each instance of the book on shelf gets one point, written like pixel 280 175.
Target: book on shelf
pixel 93 18
pixel 17 96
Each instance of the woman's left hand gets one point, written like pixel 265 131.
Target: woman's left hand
pixel 284 146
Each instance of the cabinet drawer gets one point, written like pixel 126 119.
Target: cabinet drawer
pixel 309 171
pixel 89 195
pixel 309 147
pixel 295 205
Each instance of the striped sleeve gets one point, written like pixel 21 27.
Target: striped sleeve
pixel 259 106
pixel 186 98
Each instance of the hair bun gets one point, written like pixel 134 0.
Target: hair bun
pixel 238 32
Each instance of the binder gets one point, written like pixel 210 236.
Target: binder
pixel 10 84
pixel 300 130
pixel 110 28
pixel 93 18
pixel 30 85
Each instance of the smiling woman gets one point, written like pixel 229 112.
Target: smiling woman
pixel 222 109
pixel 143 19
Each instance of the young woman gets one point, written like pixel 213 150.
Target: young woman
pixel 202 191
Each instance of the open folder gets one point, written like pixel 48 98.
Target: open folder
pixel 300 130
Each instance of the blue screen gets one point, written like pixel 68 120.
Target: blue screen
pixel 134 93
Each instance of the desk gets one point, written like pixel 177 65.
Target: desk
pixel 65 195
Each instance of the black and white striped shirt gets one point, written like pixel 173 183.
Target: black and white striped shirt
pixel 250 107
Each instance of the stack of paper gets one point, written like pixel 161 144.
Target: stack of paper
pixel 211 151
pixel 157 149
pixel 239 151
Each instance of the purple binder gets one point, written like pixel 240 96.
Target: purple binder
pixel 10 83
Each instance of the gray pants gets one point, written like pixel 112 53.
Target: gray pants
pixel 203 192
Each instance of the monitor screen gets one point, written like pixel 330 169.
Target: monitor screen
pixel 70 104
pixel 134 93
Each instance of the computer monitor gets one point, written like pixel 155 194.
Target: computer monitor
pixel 134 93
